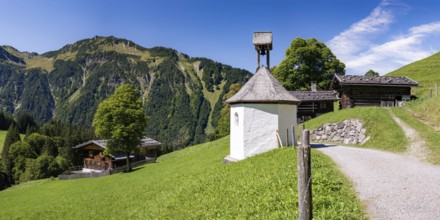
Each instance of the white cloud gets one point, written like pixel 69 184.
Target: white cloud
pixel 393 54
pixel 356 37
pixel 355 46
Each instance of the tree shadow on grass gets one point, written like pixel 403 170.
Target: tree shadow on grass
pixel 134 169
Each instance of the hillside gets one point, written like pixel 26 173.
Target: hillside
pixel 425 71
pixel 185 185
pixel 182 95
pixel 384 133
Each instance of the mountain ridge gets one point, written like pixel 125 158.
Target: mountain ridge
pixel 182 95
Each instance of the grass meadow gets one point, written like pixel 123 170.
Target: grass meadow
pixel 192 183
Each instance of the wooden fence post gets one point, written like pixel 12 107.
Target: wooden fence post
pixel 304 178
pixel 294 138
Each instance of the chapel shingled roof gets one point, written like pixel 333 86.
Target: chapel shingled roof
pixel 263 88
pixel 322 95
pixel 376 80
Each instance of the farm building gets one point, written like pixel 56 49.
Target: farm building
pixel 94 158
pixel 261 112
pixel 314 103
pixel 385 91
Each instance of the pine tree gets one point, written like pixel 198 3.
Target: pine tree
pixel 11 137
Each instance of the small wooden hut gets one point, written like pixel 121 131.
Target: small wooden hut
pixel 385 91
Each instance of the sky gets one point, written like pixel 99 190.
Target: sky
pixel 381 35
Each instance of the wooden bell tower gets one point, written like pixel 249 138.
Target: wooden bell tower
pixel 263 44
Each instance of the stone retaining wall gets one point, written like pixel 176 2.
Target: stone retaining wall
pixel 350 131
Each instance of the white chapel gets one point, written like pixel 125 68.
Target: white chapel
pixel 262 112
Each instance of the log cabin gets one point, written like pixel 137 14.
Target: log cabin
pixel 384 91
pixel 94 159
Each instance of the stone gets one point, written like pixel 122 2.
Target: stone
pixel 349 131
pixel 341 125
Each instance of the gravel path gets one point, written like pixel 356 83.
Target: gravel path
pixel 392 186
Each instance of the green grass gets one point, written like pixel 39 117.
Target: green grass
pixel 190 184
pixel 427 109
pixel 384 133
pixel 425 71
pixel 429 135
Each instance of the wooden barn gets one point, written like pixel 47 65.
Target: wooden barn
pixel 94 158
pixel 314 103
pixel 385 91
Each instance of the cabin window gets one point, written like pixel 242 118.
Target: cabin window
pixel 322 105
pixel 236 120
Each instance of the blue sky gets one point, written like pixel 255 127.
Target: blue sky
pixel 371 34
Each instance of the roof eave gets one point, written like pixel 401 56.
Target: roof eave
pixel 264 102
pixel 376 84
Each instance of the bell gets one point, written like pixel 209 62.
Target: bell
pixel 263 52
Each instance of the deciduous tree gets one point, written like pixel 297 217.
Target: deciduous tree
pixel 122 120
pixel 371 73
pixel 306 61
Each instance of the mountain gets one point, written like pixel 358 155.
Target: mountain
pixel 182 95
pixel 426 71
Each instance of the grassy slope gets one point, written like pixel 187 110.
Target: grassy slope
pixel 384 133
pixel 2 139
pixel 212 97
pixel 431 137
pixel 425 71
pixel 190 184
pixel 428 109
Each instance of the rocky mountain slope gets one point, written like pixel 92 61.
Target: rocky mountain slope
pixel 182 95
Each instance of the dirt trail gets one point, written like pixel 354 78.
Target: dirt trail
pixel 416 148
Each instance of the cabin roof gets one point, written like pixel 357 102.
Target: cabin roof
pixel 323 95
pixel 145 142
pixel 375 80
pixel 263 87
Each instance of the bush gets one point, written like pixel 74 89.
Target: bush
pixel 43 167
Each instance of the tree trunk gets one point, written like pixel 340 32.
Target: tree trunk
pixel 128 169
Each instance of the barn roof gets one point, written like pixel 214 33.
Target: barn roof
pixel 145 142
pixel 375 80
pixel 323 95
pixel 263 88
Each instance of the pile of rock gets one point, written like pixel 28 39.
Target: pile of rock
pixel 350 131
